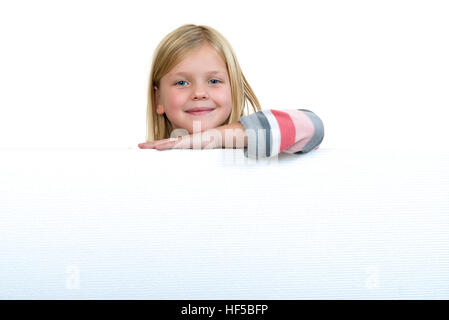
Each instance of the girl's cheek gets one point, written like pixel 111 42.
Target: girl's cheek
pixel 224 97
pixel 178 99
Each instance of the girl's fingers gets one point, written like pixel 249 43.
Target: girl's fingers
pixel 187 143
pixel 147 145
pixel 153 144
pixel 182 143
pixel 144 145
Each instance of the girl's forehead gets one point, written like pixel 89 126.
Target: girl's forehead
pixel 201 59
pixel 203 70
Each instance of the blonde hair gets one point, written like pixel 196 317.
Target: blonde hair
pixel 171 51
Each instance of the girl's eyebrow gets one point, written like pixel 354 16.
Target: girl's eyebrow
pixel 187 74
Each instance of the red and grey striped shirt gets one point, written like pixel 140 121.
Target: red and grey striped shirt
pixel 271 132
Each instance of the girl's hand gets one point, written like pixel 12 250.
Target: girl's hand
pixel 197 140
pixel 208 139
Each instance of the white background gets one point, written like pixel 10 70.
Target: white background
pixel 339 222
pixel 75 73
pixel 129 224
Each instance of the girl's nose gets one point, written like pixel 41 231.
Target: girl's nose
pixel 200 95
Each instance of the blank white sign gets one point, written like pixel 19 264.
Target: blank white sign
pixel 211 224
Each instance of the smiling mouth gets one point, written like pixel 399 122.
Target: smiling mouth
pixel 200 111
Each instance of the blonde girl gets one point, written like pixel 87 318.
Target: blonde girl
pixel 197 97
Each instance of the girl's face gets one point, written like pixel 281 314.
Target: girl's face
pixel 199 81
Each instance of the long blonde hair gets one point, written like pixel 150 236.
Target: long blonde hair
pixel 171 50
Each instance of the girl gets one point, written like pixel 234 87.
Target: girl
pixel 196 99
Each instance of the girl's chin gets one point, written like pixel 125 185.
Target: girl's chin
pixel 200 126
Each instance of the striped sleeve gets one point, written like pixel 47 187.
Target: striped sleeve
pixel 271 132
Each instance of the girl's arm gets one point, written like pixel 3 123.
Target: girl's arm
pixel 270 132
pixel 261 135
pixel 226 136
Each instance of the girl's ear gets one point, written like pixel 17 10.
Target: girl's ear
pixel 159 107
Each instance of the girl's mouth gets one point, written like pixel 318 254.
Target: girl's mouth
pixel 200 111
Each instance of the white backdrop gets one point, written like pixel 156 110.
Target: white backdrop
pixel 128 224
pixel 364 216
pixel 75 73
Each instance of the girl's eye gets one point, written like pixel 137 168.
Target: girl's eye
pixel 185 81
pixel 179 82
